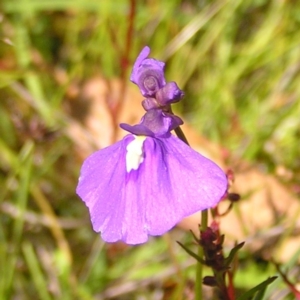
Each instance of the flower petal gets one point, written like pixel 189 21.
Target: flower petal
pixel 178 182
pixel 155 123
pixel 172 181
pixel 101 186
pixel 148 73
pixel 168 94
pixel 142 56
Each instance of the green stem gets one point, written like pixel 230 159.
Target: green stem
pixel 203 227
pixel 199 267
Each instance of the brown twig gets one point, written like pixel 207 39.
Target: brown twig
pixel 125 59
pixel 290 285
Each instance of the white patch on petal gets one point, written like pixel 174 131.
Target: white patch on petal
pixel 134 155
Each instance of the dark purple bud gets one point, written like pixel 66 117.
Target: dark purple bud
pixel 210 281
pixel 148 73
pixel 208 236
pixel 233 197
pixel 168 94
pixel 155 123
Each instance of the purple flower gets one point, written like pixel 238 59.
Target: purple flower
pixel 147 182
pixel 148 75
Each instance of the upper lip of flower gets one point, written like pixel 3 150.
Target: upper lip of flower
pixel 148 75
pixel 142 56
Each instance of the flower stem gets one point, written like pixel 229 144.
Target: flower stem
pixel 199 267
pixel 202 227
pixel 178 129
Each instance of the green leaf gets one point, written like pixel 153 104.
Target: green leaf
pixel 191 253
pixel 260 289
pixel 232 253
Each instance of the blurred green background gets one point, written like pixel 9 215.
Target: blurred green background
pixel 238 63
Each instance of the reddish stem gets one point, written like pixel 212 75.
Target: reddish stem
pixel 230 288
pixel 124 62
pixel 288 282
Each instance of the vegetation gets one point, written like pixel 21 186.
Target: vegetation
pixel 238 63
